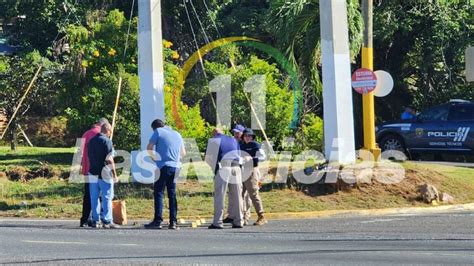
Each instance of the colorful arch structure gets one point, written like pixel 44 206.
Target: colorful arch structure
pixel 248 42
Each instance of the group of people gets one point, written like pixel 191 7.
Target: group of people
pixel 234 159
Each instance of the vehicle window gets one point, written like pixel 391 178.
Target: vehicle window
pixel 436 114
pixel 462 113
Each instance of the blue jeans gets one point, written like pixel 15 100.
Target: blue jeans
pixel 167 178
pixel 104 189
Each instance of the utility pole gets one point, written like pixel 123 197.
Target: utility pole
pixel 337 91
pixel 150 66
pixel 368 105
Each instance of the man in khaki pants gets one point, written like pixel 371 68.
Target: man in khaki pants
pixel 252 151
pixel 223 155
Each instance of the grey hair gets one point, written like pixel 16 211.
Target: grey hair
pixel 103 121
pixel 106 127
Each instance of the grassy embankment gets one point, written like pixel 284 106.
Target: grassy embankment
pixel 54 197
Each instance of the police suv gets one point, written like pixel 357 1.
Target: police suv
pixel 447 128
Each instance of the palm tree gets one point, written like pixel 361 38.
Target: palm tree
pixel 295 25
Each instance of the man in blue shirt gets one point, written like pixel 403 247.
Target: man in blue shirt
pixel 102 176
pixel 223 155
pixel 169 146
pixel 409 114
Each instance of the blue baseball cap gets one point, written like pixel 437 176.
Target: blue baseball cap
pixel 238 128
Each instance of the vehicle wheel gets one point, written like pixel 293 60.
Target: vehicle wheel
pixel 392 142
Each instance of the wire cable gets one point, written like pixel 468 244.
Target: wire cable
pixel 206 37
pixel 212 19
pixel 128 32
pixel 200 58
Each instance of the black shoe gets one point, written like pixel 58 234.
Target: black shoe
pixel 85 223
pixel 153 225
pixel 212 226
pixel 228 220
pixel 95 225
pixel 173 226
pixel 237 226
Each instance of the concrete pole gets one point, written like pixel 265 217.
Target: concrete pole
pixel 150 66
pixel 337 91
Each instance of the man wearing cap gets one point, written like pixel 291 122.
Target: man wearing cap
pixel 223 155
pixel 237 131
pixel 252 151
pixel 86 199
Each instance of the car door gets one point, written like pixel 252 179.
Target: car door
pixel 461 121
pixel 432 130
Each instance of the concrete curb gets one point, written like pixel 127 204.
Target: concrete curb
pixel 371 212
pixel 315 214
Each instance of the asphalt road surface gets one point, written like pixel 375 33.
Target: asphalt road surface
pixel 446 238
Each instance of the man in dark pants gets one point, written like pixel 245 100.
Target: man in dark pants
pixel 86 200
pixel 169 146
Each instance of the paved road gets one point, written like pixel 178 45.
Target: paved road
pixel 428 239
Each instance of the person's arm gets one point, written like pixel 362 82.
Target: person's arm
pixel 151 145
pixel 111 164
pixel 84 159
pixel 212 152
pixel 110 160
pixel 183 150
pixel 261 156
pixel 150 150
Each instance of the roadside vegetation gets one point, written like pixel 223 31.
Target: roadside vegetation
pixel 52 196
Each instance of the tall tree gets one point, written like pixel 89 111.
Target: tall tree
pixel 295 25
pixel 422 44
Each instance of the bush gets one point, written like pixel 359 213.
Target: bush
pixel 51 132
pixel 310 136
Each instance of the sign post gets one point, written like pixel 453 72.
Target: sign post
pixel 368 104
pixel 364 81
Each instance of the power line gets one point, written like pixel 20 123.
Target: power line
pixel 212 19
pixel 128 31
pixel 206 38
pixel 195 39
pixel 200 58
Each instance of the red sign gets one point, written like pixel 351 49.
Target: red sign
pixel 364 80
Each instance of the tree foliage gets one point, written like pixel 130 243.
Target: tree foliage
pixel 82 46
pixel 422 44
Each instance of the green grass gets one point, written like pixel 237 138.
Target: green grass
pixel 59 158
pixel 57 198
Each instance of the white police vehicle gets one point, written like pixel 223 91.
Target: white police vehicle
pixel 447 128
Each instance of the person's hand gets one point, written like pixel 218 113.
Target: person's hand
pixel 116 179
pixel 248 158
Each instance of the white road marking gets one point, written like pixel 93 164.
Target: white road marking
pixel 382 220
pixel 74 243
pixel 53 242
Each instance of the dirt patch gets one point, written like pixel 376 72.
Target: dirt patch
pixel 407 188
pixel 383 185
pixel 23 174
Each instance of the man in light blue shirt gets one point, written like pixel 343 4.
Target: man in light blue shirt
pixel 169 146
